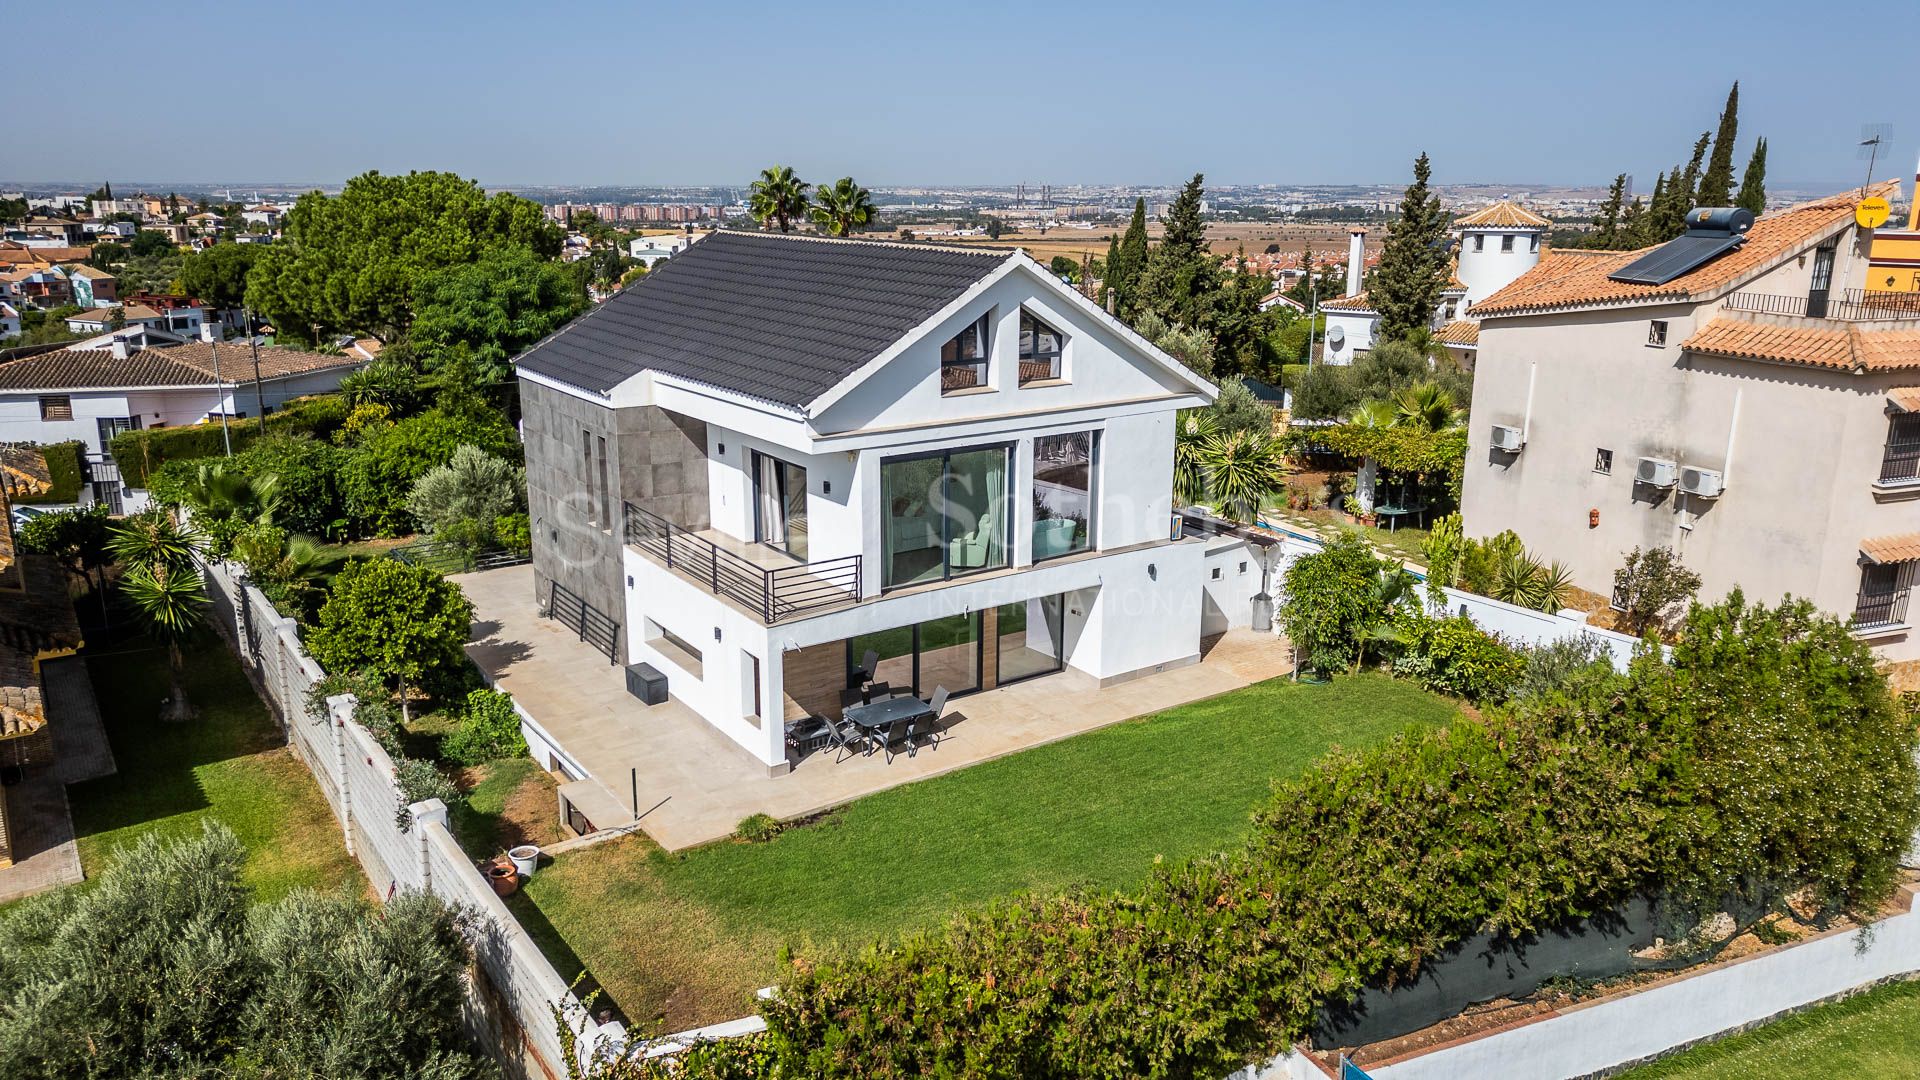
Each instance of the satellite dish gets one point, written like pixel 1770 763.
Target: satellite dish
pixel 1336 336
pixel 1872 213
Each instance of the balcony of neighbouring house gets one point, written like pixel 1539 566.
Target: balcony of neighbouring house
pixel 1847 305
pixel 766 581
pixel 1886 579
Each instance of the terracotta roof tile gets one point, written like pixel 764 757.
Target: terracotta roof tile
pixel 1904 547
pixel 1460 332
pixel 1564 279
pixel 1356 302
pixel 1503 214
pixel 1905 398
pixel 1812 343
pixel 181 365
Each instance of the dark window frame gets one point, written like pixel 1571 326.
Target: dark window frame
pixel 1093 489
pixel 1031 353
pixel 1506 243
pixel 1603 461
pixel 51 405
pixel 1657 333
pixel 982 331
pixel 946 471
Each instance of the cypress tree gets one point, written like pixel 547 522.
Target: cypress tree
pixel 1181 275
pixel 1689 192
pixel 1186 226
pixel 1716 184
pixel 1607 235
pixel 1753 183
pixel 1405 288
pixel 1106 273
pixel 1632 227
pixel 1125 266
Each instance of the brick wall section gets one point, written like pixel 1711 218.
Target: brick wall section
pixel 655 459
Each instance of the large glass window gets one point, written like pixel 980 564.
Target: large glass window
pixel 963 360
pixel 1040 349
pixel 780 504
pixel 1029 638
pixel 938 652
pixel 946 515
pixel 1062 494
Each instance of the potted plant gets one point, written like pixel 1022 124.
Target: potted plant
pixel 503 878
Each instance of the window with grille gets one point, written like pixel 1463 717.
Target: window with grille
pixel 56 407
pixel 1901 463
pixel 1603 461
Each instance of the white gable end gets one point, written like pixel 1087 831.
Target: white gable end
pixel 1102 363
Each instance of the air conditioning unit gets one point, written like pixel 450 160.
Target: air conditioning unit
pixel 1507 439
pixel 1703 483
pixel 1655 472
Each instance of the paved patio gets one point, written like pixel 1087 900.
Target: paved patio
pixel 45 856
pixel 695 784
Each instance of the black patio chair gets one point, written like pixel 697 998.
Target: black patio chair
pixel 846 738
pixel 868 661
pixel 898 731
pixel 937 703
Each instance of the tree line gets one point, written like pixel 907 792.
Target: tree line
pixel 1705 180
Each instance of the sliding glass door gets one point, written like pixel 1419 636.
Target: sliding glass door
pixel 938 652
pixel 780 504
pixel 1063 495
pixel 946 514
pixel 1030 638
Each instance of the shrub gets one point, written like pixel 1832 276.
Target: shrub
pixel 1334 599
pixel 382 469
pixel 1651 589
pixel 139 453
pixel 416 781
pixel 1769 755
pixel 403 621
pixel 64 472
pixel 308 471
pixel 1442 549
pixel 1481 560
pixel 513 532
pixel 472 486
pixel 1452 655
pixel 489 730
pixel 757 828
pixel 1558 665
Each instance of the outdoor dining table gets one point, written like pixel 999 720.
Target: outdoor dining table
pixel 882 715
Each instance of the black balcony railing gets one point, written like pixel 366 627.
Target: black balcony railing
pixel 771 592
pixel 1874 609
pixel 1852 305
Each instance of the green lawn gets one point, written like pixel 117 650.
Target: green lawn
pixel 228 764
pixel 684 939
pixel 1874 1036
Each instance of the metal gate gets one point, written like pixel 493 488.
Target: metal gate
pixel 592 625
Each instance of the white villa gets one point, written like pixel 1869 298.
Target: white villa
pixel 1497 245
pixel 776 454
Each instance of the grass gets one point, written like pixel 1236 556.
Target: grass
pixel 1872 1036
pixel 683 939
pixel 229 764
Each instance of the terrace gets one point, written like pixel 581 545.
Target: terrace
pixel 682 782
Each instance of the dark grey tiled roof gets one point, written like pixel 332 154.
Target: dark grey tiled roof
pixel 780 318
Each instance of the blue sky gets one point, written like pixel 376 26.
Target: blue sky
pixel 1121 92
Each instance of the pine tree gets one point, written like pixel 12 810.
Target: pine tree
pixel 1302 291
pixel 1181 275
pixel 1690 179
pixel 1185 224
pixel 1632 227
pixel 1607 234
pixel 1125 266
pixel 1716 184
pixel 1405 288
pixel 1753 183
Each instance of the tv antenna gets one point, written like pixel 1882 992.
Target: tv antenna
pixel 1872 138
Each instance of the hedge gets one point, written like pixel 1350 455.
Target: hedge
pixel 140 452
pixel 64 469
pixel 1767 757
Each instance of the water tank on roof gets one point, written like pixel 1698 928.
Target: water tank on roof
pixel 1721 219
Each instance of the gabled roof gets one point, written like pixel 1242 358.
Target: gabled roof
pixel 1834 346
pixel 1573 279
pixel 1505 214
pixel 779 318
pixel 179 365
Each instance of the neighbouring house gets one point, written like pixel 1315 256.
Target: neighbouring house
pixel 774 454
pixel 9 320
pixel 205 223
pixel 17 254
pixel 266 215
pixel 1279 298
pixel 36 624
pixel 180 315
pixel 91 395
pixel 652 249
pixel 1496 245
pixel 1735 395
pixel 53 231
pixel 42 286
pixel 101 319
pixel 92 287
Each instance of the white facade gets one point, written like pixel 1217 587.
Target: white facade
pixel 1130 603
pixel 1493 257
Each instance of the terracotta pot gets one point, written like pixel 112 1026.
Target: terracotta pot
pixel 503 878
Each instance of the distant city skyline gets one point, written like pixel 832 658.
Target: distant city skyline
pixel 1121 94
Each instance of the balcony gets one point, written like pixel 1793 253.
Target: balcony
pixel 1852 305
pixel 769 583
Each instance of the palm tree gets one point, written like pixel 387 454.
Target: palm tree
pixel 1426 407
pixel 778 196
pixel 842 206
pixel 1391 590
pixel 166 587
pixel 1242 471
pixel 1191 435
pixel 220 492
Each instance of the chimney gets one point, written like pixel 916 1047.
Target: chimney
pixel 120 350
pixel 208 329
pixel 1356 259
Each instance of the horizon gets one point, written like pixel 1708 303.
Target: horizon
pixel 1074 100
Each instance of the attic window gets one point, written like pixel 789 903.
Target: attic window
pixel 963 360
pixel 1040 349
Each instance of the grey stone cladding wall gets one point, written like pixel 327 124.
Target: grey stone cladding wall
pixel 655 459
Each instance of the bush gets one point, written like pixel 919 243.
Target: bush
pixel 1651 589
pixel 382 469
pixel 64 472
pixel 308 470
pixel 139 453
pixel 1452 655
pixel 757 828
pixel 402 621
pixel 1768 756
pixel 472 486
pixel 513 532
pixel 1559 665
pixel 1335 600
pixel 489 730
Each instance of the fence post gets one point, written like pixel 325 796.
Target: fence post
pixel 583 617
pixel 340 709
pixel 425 813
